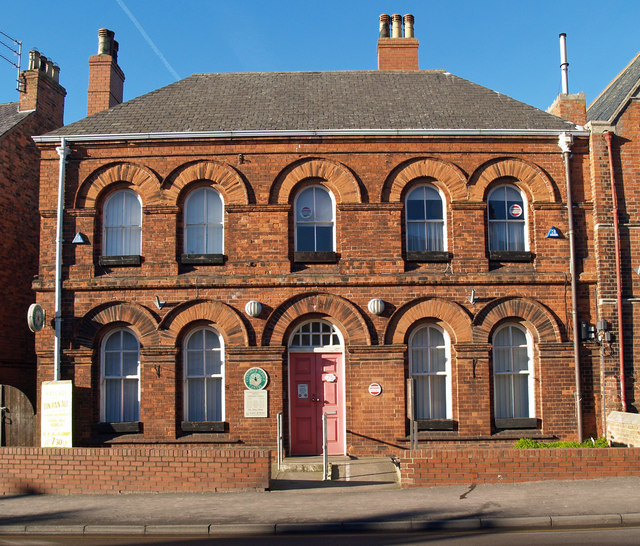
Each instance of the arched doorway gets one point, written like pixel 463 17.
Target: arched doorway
pixel 17 419
pixel 316 388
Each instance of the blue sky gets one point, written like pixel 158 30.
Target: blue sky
pixel 510 46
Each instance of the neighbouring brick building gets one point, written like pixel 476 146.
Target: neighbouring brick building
pixel 342 231
pixel 40 109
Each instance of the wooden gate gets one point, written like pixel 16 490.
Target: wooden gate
pixel 17 419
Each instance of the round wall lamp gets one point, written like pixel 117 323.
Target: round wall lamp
pixel 376 306
pixel 253 308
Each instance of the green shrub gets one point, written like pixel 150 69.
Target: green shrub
pixel 528 443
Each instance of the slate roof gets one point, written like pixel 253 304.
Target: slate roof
pixel 308 101
pixel 616 95
pixel 10 117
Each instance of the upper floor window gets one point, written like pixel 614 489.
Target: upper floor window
pixel 122 224
pixel 204 222
pixel 314 220
pixel 425 220
pixel 430 368
pixel 512 373
pixel 120 377
pixel 507 220
pixel 204 376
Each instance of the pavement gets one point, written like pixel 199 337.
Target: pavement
pixel 363 496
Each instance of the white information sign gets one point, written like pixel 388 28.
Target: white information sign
pixel 56 414
pixel 255 403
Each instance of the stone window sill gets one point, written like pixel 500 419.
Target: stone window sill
pixel 525 422
pixel 510 256
pixel 202 259
pixel 315 257
pixel 436 424
pixel 203 426
pixel 428 256
pixel 132 427
pixel 120 261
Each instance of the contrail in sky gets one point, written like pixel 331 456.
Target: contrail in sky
pixel 148 39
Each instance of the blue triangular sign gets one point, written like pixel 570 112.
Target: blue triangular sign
pixel 553 233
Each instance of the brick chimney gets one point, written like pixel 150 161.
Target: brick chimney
pixel 106 78
pixel 570 107
pixel 41 91
pixel 395 51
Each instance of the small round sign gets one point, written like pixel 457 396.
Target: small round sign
pixel 515 210
pixel 375 389
pixel 255 379
pixel 305 212
pixel 35 317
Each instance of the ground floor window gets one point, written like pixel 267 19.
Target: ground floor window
pixel 120 377
pixel 430 368
pixel 204 376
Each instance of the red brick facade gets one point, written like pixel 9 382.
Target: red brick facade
pixel 43 97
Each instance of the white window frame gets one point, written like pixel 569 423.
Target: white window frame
pixel 319 348
pixel 205 223
pixel 124 226
pixel 443 221
pixel 121 378
pixel 446 373
pixel 220 376
pixel 529 372
pixel 524 221
pixel 333 218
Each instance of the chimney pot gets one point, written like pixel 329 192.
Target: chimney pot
pixel 106 79
pixel 34 60
pixel 396 25
pixel 105 41
pixel 384 25
pixel 408 26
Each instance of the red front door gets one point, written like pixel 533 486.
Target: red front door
pixel 315 388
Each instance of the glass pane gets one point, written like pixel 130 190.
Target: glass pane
pixel 211 340
pixel 433 204
pixel 415 205
pixel 435 241
pixel 502 393
pixel 195 207
pixel 112 364
pixel 214 239
pixel 196 341
pixel 131 405
pixel 324 238
pixel 129 341
pixel 501 338
pixel 416 240
pixel 113 211
pixel 518 337
pixel 438 397
pixel 213 363
pixel 497 205
pixel 497 236
pixel 305 241
pixel 516 236
pixel 130 363
pixel 195 395
pixel 195 240
pixel 521 396
pixel 132 212
pixel 315 340
pixel 304 206
pixel 195 363
pixel 436 337
pixel 214 206
pixel 419 360
pixel 520 359
pixel 113 241
pixel 131 241
pixel 324 206
pixel 421 397
pixel 421 338
pixel 214 400
pixel 112 400
pixel 501 359
pixel 113 342
pixel 438 361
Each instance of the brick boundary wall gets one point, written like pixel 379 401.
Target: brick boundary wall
pixel 132 470
pixel 430 467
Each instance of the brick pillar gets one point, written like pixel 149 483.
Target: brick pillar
pixel 473 404
pixel 158 393
pixel 106 78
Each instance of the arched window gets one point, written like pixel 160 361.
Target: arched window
pixel 424 213
pixel 204 222
pixel 430 368
pixel 314 220
pixel 120 377
pixel 122 224
pixel 507 220
pixel 512 373
pixel 204 376
pixel 316 333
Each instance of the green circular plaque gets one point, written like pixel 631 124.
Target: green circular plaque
pixel 255 379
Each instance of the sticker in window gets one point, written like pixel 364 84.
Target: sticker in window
pixel 303 390
pixel 305 212
pixel 515 210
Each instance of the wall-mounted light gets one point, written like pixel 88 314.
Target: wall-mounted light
pixel 253 308
pixel 159 303
pixel 376 306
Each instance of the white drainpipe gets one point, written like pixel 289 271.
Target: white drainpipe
pixel 63 152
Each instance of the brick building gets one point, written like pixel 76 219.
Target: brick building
pixel 343 232
pixel 39 110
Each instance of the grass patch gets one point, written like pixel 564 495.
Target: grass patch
pixel 528 443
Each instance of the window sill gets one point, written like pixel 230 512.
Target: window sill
pixel 203 426
pixel 202 259
pixel 120 261
pixel 510 256
pixel 428 256
pixel 436 424
pixel 315 257
pixel 132 427
pixel 524 422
